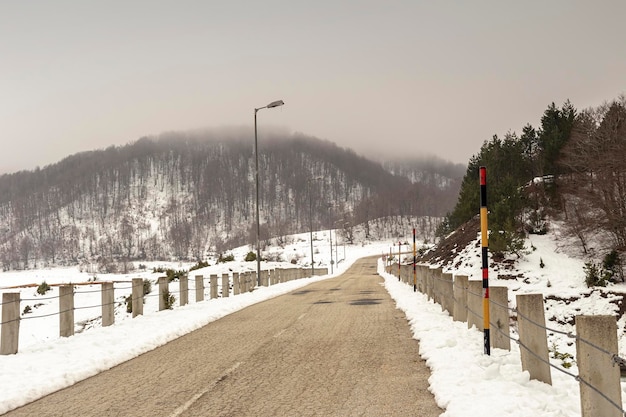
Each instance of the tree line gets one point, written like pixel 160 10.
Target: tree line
pixel 570 166
pixel 183 195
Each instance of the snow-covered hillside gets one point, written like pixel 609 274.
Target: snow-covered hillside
pixel 464 380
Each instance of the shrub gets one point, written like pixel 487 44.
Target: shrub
pixel 174 275
pixel 129 303
pixel 250 257
pixel 169 299
pixel 612 266
pixel 199 265
pixel 43 288
pixel 593 277
pixel 567 360
pixel 147 286
pixel 541 264
pixel 227 258
pixel 27 310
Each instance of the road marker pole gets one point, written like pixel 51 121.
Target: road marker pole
pixel 414 260
pixel 484 232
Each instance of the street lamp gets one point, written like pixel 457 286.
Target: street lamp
pixel 330 238
pixel 273 104
pixel 309 181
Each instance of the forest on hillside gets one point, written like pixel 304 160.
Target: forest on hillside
pixel 571 167
pixel 183 195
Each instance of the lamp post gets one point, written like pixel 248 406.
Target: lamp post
pixel 309 181
pixel 330 237
pixel 273 104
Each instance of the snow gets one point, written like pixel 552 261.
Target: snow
pixel 464 380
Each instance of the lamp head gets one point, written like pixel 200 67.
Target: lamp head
pixel 275 104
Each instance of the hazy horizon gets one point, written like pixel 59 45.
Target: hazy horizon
pixel 386 79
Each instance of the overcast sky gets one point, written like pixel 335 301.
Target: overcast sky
pixel 381 77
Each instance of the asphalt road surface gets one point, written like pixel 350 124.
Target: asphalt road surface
pixel 338 347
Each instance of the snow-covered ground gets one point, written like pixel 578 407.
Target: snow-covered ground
pixel 464 380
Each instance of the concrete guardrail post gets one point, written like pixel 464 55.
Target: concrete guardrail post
pixel 596 367
pixel 163 292
pixel 243 282
pixel 66 310
pixel 10 334
pixel 183 283
pixel 499 318
pixel 108 303
pixel 213 285
pixel 446 296
pixel 429 283
pixel 531 322
pixel 460 298
pixel 225 285
pixel 475 305
pixel 137 297
pixel 199 288
pixel 236 290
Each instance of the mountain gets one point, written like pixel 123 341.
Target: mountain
pixel 182 195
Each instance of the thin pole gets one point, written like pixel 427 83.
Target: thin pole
pixel 336 255
pixel 330 231
pixel 414 260
pixel 484 232
pixel 311 229
pixel 399 243
pixel 258 224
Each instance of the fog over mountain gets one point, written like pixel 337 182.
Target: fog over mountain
pixel 183 194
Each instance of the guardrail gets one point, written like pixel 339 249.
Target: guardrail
pixel 234 283
pixel 595 337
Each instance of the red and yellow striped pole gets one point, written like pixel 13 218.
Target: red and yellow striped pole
pixel 484 233
pixel 414 260
pixel 399 254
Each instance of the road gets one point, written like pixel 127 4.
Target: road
pixel 338 347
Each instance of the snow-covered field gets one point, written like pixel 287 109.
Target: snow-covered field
pixel 464 380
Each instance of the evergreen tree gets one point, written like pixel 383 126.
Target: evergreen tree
pixel 556 127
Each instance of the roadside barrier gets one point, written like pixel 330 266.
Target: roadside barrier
pixel 595 337
pixel 235 283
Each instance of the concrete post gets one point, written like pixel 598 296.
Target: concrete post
pixel 183 283
pixel 10 334
pixel 475 305
pixel 199 288
pixel 108 303
pixel 225 285
pixel 447 293
pixel 499 318
pixel 533 337
pixel 66 310
pixel 243 282
pixel 163 292
pixel 596 367
pixel 421 278
pixel 236 284
pixel 460 298
pixel 429 283
pixel 137 297
pixel 213 285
